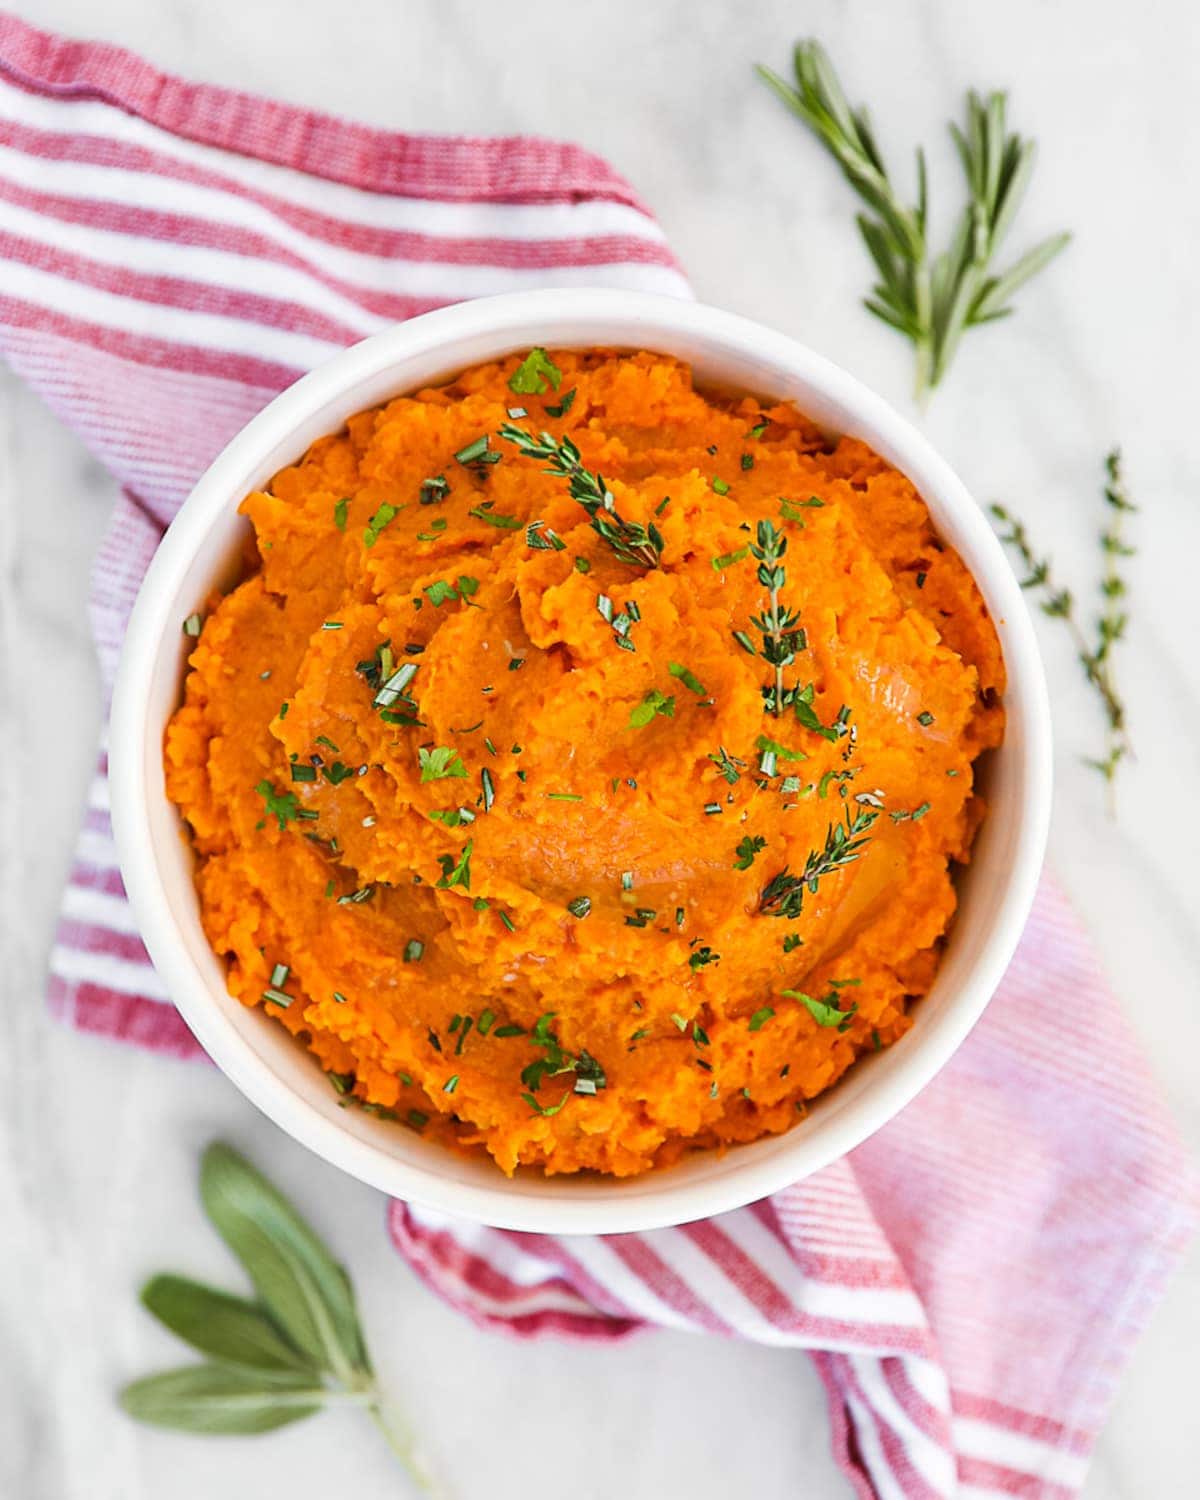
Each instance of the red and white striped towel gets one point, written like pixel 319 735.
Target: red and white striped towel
pixel 969 1281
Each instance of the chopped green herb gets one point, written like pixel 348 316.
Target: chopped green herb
pixel 440 762
pixel 456 873
pixel 489 789
pixel 532 374
pixel 339 997
pixel 747 460
pixel 414 950
pixel 689 679
pixel 582 565
pixel 562 407
pixel 925 718
pixel 486 514
pixel 727 559
pixel 747 849
pixel 824 1012
pixel 792 941
pixel 702 957
pixel 382 518
pixel 546 1109
pixel 760 1017
pixel 193 625
pixel 564 796
pixel 477 455
pixel 720 487
pixel 281 805
pixel 744 641
pixel 580 907
pixel 301 772
pixel 653 704
pixel 450 1084
pixel 433 491
pixel 277 997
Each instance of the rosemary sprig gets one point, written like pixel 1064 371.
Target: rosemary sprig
pixel 783 895
pixel 1095 656
pixel 777 624
pixel 633 543
pixel 932 300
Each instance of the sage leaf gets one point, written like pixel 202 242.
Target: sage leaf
pixel 222 1399
pixel 303 1288
pixel 226 1328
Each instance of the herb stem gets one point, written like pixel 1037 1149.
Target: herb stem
pixel 1059 603
pixel 400 1439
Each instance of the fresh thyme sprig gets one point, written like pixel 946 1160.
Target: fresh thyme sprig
pixel 930 299
pixel 1095 656
pixel 777 624
pixel 783 895
pixel 296 1348
pixel 632 542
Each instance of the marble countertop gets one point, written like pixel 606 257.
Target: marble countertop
pixel 98 1145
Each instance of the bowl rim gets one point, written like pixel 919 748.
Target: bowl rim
pixel 658 1202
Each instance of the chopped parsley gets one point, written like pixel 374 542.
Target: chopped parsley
pixel 456 872
pixel 281 805
pixel 382 518
pixel 760 1017
pixel 532 375
pixel 561 408
pixel 747 849
pixel 486 514
pixel 580 907
pixel 826 1012
pixel 653 704
pixel 440 762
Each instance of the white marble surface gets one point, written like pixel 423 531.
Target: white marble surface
pixel 98 1145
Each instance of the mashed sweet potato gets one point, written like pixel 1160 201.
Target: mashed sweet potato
pixel 586 831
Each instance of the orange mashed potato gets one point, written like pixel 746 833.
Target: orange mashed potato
pixel 582 831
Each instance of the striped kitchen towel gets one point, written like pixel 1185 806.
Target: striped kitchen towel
pixel 969 1281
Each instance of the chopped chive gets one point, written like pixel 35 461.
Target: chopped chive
pixel 279 976
pixel 508 1030
pixel 302 772
pixel 450 1084
pixel 339 997
pixel 921 577
pixel 332 625
pixel 433 490
pixel 662 505
pixel 582 565
pixel 192 625
pixel 727 559
pixel 747 460
pixel 580 906
pixel 487 1019
pixel 627 880
pixel 564 796
pixel 277 997
pixel 925 718
pixel 760 1018
pixel 413 950
pixel 508 921
pixel 489 789
pixel 720 487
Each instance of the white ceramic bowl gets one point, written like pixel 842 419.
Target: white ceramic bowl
pixel 261 1058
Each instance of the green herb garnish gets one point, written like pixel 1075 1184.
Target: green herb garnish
pixel 456 872
pixel 783 895
pixel 760 1017
pixel 631 541
pixel 293 1349
pixel 440 762
pixel 826 1012
pixel 1095 655
pixel 382 518
pixel 689 679
pixel 777 625
pixel 532 375
pixel 931 300
pixel 193 625
pixel 747 849
pixel 281 805
pixel 653 704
